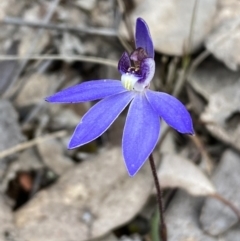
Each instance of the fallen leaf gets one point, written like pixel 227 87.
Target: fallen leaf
pixel 35 89
pixel 88 201
pixel 178 172
pixel 7 9
pixel 53 156
pixel 28 38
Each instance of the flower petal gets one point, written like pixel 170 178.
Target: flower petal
pixel 140 133
pixel 143 38
pixel 88 91
pixel 147 73
pixel 171 110
pixel 124 63
pixel 99 118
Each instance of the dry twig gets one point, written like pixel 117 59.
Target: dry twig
pixel 208 161
pixel 90 59
pixel 60 27
pixel 34 142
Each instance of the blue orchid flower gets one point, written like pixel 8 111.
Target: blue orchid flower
pixel 142 128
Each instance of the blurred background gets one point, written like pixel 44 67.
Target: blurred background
pixel 50 193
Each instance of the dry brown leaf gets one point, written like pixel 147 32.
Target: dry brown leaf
pixel 178 172
pixel 53 156
pixel 37 87
pixel 88 201
pixel 7 9
pixel 27 40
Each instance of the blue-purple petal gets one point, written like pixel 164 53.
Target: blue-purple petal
pixel 124 63
pixel 99 118
pixel 171 110
pixel 88 91
pixel 141 133
pixel 148 70
pixel 143 38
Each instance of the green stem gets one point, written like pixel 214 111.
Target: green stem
pixel 162 225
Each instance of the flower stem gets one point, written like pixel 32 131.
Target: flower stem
pixel 162 225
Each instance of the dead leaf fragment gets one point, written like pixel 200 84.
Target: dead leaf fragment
pixel 35 90
pixel 6 8
pixel 88 201
pixel 26 42
pixel 53 156
pixel 178 172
